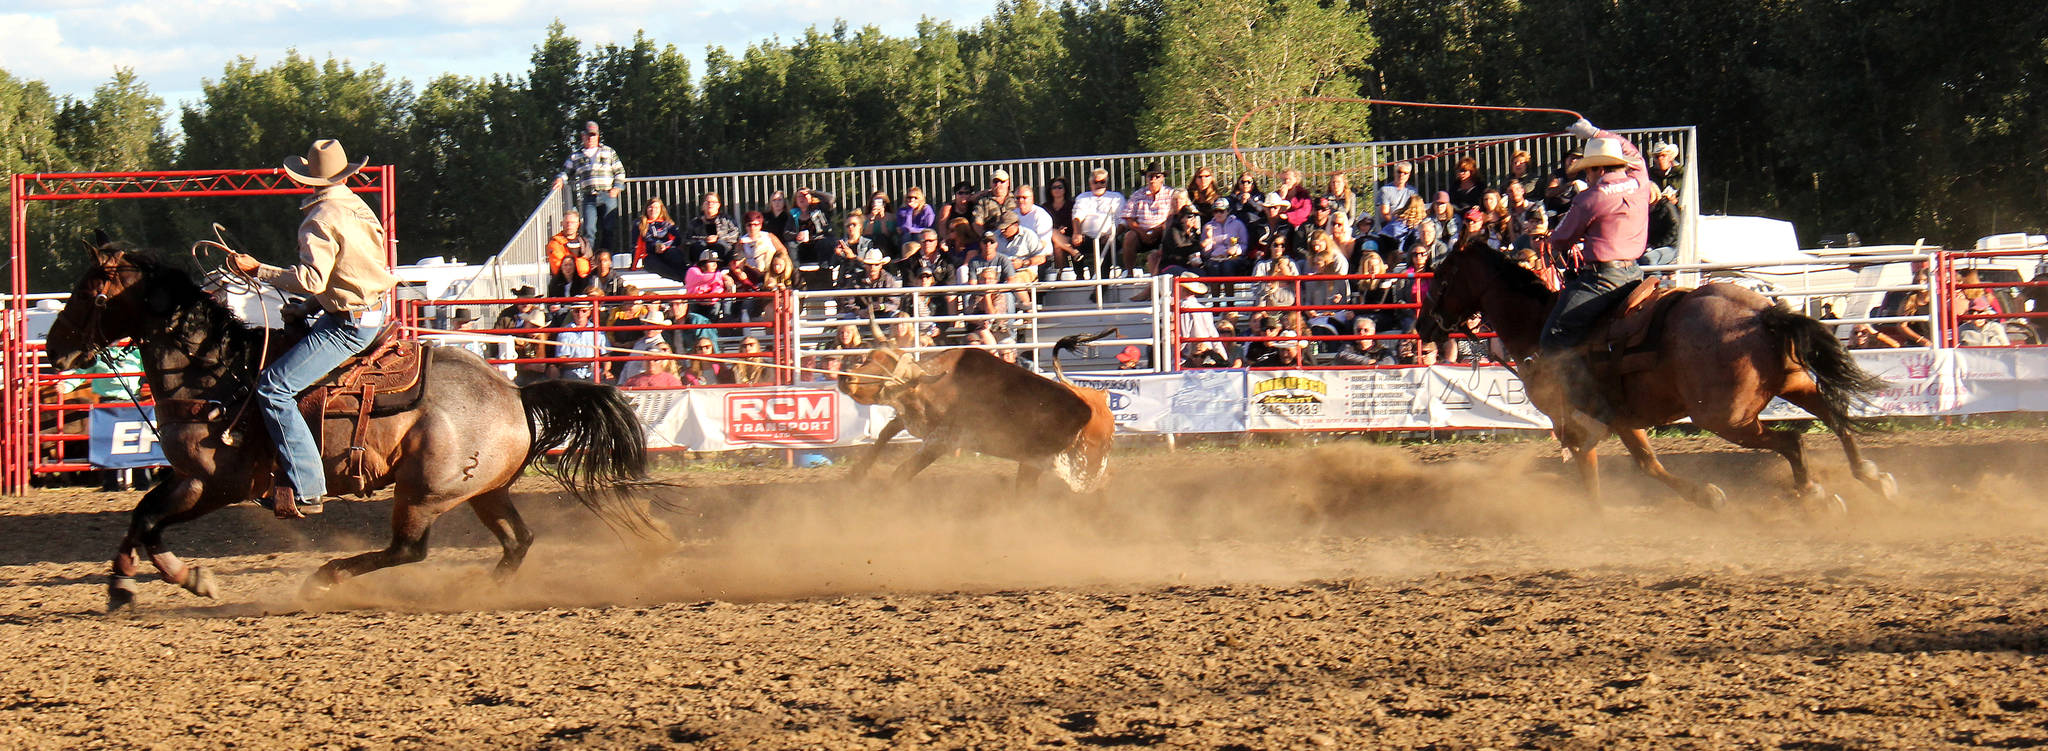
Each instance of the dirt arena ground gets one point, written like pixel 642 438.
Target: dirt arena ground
pixel 1347 595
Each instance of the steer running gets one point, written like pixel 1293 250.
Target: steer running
pixel 968 398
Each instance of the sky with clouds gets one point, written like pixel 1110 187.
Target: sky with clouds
pixel 75 45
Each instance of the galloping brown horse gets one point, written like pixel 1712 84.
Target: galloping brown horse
pixel 468 439
pixel 1724 351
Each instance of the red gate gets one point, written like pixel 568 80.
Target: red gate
pixel 20 454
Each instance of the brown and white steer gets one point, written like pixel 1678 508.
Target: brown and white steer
pixel 968 398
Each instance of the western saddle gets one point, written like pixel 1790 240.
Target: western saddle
pixel 1626 339
pixel 387 378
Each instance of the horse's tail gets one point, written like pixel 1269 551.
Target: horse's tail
pixel 1843 383
pixel 1072 343
pixel 604 449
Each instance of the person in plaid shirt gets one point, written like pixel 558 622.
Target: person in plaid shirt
pixel 1145 213
pixel 595 176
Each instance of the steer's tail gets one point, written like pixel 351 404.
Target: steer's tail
pixel 1072 343
pixel 604 449
pixel 1843 383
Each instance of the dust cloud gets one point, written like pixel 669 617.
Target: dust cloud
pixel 1268 515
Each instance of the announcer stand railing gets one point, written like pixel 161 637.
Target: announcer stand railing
pixel 1954 297
pixel 18 442
pixel 817 314
pixel 428 313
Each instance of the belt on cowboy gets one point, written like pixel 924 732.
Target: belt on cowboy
pixel 1626 263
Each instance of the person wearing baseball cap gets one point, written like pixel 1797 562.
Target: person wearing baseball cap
pixel 1611 217
pixel 343 265
pixel 595 177
pixel 990 205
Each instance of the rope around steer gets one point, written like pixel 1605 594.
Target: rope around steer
pixel 649 354
pixel 1238 127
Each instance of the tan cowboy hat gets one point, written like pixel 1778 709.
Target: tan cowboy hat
pixel 324 164
pixel 1600 152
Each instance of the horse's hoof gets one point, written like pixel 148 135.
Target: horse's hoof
pixel 120 593
pixel 315 588
pixel 199 581
pixel 1886 487
pixel 1710 497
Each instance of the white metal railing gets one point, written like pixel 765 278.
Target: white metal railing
pixel 1101 303
pixel 1807 291
pixel 851 186
pixel 523 260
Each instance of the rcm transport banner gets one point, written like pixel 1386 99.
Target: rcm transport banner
pixel 123 437
pixel 725 419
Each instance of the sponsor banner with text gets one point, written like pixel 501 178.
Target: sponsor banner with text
pixel 124 437
pixel 722 419
pixel 1949 382
pixel 1195 401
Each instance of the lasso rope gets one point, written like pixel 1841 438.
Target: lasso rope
pixel 1237 129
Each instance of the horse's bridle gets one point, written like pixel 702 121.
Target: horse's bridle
pixel 1439 281
pixel 99 341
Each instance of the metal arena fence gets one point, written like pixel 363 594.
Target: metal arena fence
pixel 799 330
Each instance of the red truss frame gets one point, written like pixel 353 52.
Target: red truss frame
pixel 18 397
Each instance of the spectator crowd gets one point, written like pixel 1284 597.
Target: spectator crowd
pixel 1196 226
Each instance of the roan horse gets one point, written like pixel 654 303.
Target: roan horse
pixel 1723 352
pixel 467 440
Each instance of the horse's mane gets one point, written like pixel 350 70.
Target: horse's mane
pixel 193 313
pixel 1514 277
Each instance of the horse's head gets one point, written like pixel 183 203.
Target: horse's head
pixel 1454 292
pixel 107 305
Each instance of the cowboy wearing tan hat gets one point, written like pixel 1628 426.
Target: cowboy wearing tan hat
pixel 1612 217
pixel 342 266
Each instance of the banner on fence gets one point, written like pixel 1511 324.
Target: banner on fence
pixel 123 437
pixel 1336 399
pixel 1948 382
pixel 725 419
pixel 1195 401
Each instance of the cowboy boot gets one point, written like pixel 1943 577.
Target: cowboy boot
pixel 284 502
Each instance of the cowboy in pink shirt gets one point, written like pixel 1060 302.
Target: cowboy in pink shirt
pixel 1613 215
pixel 1612 218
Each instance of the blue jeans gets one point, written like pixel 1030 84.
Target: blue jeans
pixel 1598 288
pixel 600 221
pixel 333 339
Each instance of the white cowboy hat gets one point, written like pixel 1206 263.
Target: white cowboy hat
pixel 324 164
pixel 1600 152
pixel 1187 279
pixel 873 257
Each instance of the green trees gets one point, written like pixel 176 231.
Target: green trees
pixel 1223 60
pixel 1838 116
pixel 254 117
